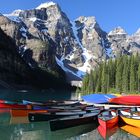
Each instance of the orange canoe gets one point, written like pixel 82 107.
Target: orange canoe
pixel 24 112
pixel 131 129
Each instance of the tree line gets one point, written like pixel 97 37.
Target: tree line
pixel 115 75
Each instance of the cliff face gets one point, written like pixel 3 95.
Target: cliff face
pixel 16 73
pixel 46 38
pixel 13 69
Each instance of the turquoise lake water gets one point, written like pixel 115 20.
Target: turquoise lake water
pixel 41 130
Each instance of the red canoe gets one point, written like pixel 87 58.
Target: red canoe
pixel 108 119
pixel 106 133
pixel 12 106
pixel 126 100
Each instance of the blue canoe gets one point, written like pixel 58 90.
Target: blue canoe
pixel 97 98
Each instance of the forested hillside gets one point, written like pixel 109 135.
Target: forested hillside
pixel 115 75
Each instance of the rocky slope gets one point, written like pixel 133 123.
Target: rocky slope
pixel 46 38
pixel 12 68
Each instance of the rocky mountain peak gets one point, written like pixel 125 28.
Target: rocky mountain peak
pixel 137 32
pixel 16 12
pixel 136 37
pixel 46 5
pixel 87 22
pixel 117 31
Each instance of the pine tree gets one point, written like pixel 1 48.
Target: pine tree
pixel 125 79
pixel 132 75
pixel 111 73
pixel 91 83
pixel 85 84
pixel 104 79
pixel 119 69
pixel 138 73
pixel 98 78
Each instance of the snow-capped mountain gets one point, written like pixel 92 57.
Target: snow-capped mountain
pixel 47 36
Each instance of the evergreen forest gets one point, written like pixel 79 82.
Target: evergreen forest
pixel 117 75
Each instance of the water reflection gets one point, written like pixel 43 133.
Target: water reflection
pixel 41 131
pixel 37 95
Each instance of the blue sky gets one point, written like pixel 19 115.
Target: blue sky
pixel 109 13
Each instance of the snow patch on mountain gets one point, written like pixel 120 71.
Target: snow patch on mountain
pixel 23 32
pixel 85 53
pixel 76 35
pixel 16 12
pixel 13 18
pixel 61 64
pixel 137 33
pixel 33 19
pixel 86 67
pixel 23 29
pixel 46 5
pixel 109 52
pixel 22 49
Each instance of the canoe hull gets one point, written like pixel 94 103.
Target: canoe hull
pixel 12 106
pixel 24 112
pixel 37 117
pixel 126 100
pixel 132 130
pixel 61 124
pixel 130 121
pixel 106 133
pixel 109 123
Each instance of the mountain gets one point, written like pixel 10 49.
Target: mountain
pixel 46 38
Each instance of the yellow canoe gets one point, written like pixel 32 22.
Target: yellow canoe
pixel 127 118
pixel 131 129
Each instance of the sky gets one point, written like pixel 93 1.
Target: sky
pixel 109 13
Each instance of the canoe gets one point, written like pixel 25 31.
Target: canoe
pixel 68 102
pixel 52 102
pixel 10 102
pixel 62 107
pixel 26 102
pixel 12 106
pixel 24 112
pixel 129 118
pixel 74 120
pixel 108 119
pixel 106 133
pixel 97 98
pixel 2 101
pixel 80 107
pixel 126 100
pixel 132 130
pixel 38 117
